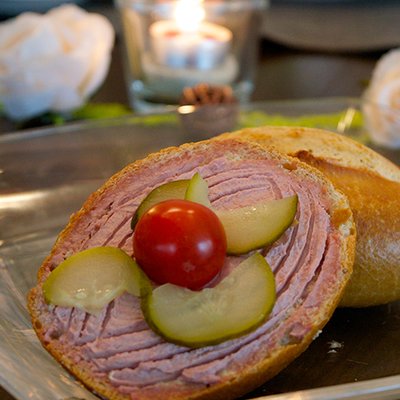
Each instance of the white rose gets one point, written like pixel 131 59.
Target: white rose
pixel 381 103
pixel 53 61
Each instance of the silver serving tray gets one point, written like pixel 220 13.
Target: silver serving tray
pixel 46 174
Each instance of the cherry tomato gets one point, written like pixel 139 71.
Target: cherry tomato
pixel 180 242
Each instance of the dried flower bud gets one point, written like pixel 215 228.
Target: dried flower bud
pixel 204 93
pixel 207 110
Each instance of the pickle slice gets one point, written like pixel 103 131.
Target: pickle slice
pixel 167 191
pixel 246 228
pixel 197 190
pixel 235 306
pixel 256 226
pixel 92 278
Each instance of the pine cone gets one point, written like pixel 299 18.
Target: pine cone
pixel 203 94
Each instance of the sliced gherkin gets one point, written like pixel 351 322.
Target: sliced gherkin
pixel 256 226
pixel 92 278
pixel 197 190
pixel 246 228
pixel 167 191
pixel 235 306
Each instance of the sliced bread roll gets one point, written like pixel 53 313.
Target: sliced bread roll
pixel 372 185
pixel 118 356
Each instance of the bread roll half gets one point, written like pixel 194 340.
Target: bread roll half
pixel 372 185
pixel 115 354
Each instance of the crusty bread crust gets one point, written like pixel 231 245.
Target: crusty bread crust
pixel 372 185
pixel 262 369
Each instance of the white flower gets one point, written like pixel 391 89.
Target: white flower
pixel 381 103
pixel 53 61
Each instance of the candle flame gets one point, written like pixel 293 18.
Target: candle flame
pixel 189 14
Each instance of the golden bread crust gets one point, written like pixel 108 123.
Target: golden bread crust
pixel 372 185
pixel 264 367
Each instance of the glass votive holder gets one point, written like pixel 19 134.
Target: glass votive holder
pixel 173 44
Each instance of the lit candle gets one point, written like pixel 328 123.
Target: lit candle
pixel 187 41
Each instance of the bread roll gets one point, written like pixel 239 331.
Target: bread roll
pixel 372 185
pixel 115 353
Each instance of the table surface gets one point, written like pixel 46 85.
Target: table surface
pixel 284 72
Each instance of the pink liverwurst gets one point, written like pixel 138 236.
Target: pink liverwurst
pixel 118 347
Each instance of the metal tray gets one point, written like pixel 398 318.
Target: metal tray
pixel 46 174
